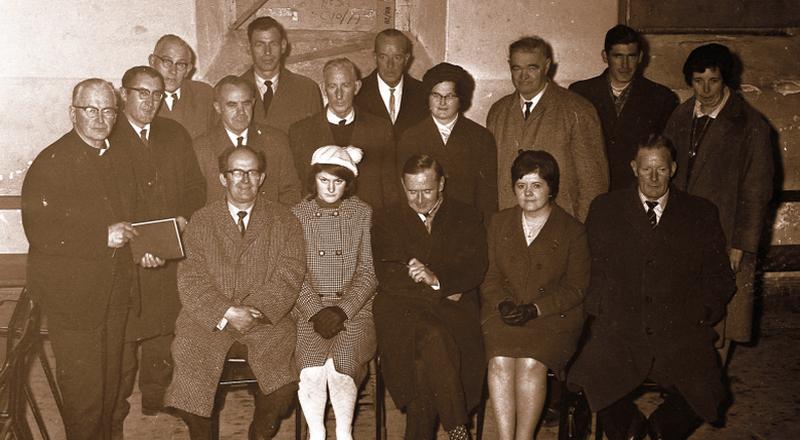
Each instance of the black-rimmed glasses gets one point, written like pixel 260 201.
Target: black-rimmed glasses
pixel 147 94
pixel 168 63
pixel 93 112
pixel 238 174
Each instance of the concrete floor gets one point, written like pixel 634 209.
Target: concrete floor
pixel 763 377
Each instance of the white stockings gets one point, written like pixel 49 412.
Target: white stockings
pixel 313 394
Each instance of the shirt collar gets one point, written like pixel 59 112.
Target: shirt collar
pixel 662 202
pixel 274 79
pixel 448 126
pixel 698 112
pixel 535 100
pixel 138 129
pixel 177 93
pixel 233 136
pixel 384 88
pixel 334 119
pixel 234 212
pixel 104 149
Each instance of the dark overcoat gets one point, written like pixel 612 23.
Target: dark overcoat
pixel 654 295
pixel 340 273
pixel 734 170
pixel 296 98
pixel 413 105
pixel 645 112
pixel 370 133
pixel 281 184
pixel 195 108
pixel 553 273
pixel 455 251
pixel 469 160
pixel 263 269
pixel 169 184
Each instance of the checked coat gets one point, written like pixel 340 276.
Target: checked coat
pixel 340 273
pixel 263 269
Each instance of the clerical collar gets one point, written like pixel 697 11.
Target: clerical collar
pixel 535 100
pixel 104 149
pixel 698 112
pixel 235 137
pixel 333 118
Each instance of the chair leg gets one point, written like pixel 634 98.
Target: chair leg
pixel 37 414
pixel 380 411
pixel 481 419
pixel 51 380
pixel 298 421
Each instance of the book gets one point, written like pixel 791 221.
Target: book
pixel 158 237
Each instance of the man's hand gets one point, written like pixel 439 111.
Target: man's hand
pixel 455 296
pixel 182 222
pixel 421 274
pixel 244 318
pixel 150 261
pixel 119 234
pixel 329 321
pixel 735 256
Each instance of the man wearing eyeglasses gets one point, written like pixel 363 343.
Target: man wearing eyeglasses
pixel 169 184
pixel 245 261
pixel 187 101
pixel 78 200
pixel 233 100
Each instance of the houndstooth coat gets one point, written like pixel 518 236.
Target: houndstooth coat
pixel 340 273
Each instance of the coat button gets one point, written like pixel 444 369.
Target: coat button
pixel 648 331
pixel 338 252
pixel 541 289
pixel 563 315
pixel 336 213
pixel 321 253
pixel 339 294
pixel 316 214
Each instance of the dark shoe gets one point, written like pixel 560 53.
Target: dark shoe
pixel 152 411
pixel 551 417
pixel 639 427
pixel 575 423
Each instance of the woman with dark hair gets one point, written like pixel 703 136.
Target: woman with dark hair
pixel 532 296
pixel 464 148
pixel 335 330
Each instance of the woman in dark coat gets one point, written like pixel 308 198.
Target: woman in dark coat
pixel 532 296
pixel 335 330
pixel 465 149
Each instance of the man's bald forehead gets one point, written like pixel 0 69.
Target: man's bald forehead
pixel 170 39
pixel 90 85
pixel 396 36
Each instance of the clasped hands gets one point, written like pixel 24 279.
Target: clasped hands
pixel 516 314
pixel 329 321
pixel 243 318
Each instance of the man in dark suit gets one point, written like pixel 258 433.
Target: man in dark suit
pixel 430 257
pixel 660 279
pixel 233 101
pixel 342 124
pixel 186 101
pixel 389 91
pixel 282 97
pixel 169 184
pixel 725 155
pixel 77 203
pixel 630 106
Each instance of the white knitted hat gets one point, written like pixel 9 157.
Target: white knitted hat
pixel 347 157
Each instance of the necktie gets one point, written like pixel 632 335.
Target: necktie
pixel 392 111
pixel 651 213
pixel 240 223
pixel 239 141
pixel 170 100
pixel 342 122
pixel 267 96
pixel 428 222
pixel 528 105
pixel 143 137
pixel 445 132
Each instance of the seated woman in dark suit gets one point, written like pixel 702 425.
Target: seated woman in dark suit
pixel 532 296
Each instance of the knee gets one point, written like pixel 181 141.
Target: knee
pixel 532 366
pixel 432 341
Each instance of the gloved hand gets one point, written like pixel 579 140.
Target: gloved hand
pixel 329 321
pixel 517 314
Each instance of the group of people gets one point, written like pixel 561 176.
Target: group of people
pixel 317 236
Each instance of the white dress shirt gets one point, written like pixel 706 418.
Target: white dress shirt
pixel 386 94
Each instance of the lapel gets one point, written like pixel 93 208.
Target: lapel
pixel 323 133
pixel 372 97
pixel 715 142
pixel 347 212
pixel 185 102
pixel 633 212
pixel 432 133
pixel 418 238
pixel 285 85
pixel 605 103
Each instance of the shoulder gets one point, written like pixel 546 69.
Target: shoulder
pixel 59 152
pixel 357 208
pixel 653 87
pixel 411 85
pixel 502 103
pixel 168 126
pixel 280 215
pixel 504 217
pixel 268 133
pixel 305 125
pixel 569 100
pixel 200 89
pixel 571 226
pixel 586 86
pixel 206 215
pixel 304 208
pixel 366 118
pixel 695 205
pixel 462 213
pixel 473 127
pixel 298 81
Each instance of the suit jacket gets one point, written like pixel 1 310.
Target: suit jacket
pixel 296 98
pixel 645 112
pixel 194 110
pixel 455 251
pixel 469 160
pixel 370 133
pixel 169 184
pixel 281 184
pixel 733 169
pixel 413 106
pixel 70 197
pixel 655 294
pixel 565 125
pixel 263 269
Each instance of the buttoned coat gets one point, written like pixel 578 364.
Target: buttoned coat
pixel 169 184
pixel 565 125
pixel 413 105
pixel 194 109
pixel 281 184
pixel 469 160
pixel 340 273
pixel 263 269
pixel 297 97
pixel 654 294
pixel 370 133
pixel 645 112
pixel 733 169
pixel 553 273
pixel 455 251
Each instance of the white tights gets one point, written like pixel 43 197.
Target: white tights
pixel 313 394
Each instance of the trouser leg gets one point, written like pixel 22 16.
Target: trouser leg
pixel 199 426
pixel 421 418
pixel 129 366
pixel 313 395
pixel 343 399
pixel 271 408
pixel 620 417
pixel 155 371
pixel 674 419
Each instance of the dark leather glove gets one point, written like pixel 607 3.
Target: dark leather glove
pixel 329 321
pixel 521 314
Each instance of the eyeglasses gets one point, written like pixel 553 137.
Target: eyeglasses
pixel 238 174
pixel 147 94
pixel 450 97
pixel 93 112
pixel 168 63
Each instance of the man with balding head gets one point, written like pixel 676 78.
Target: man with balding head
pixel 389 91
pixel 77 204
pixel 187 101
